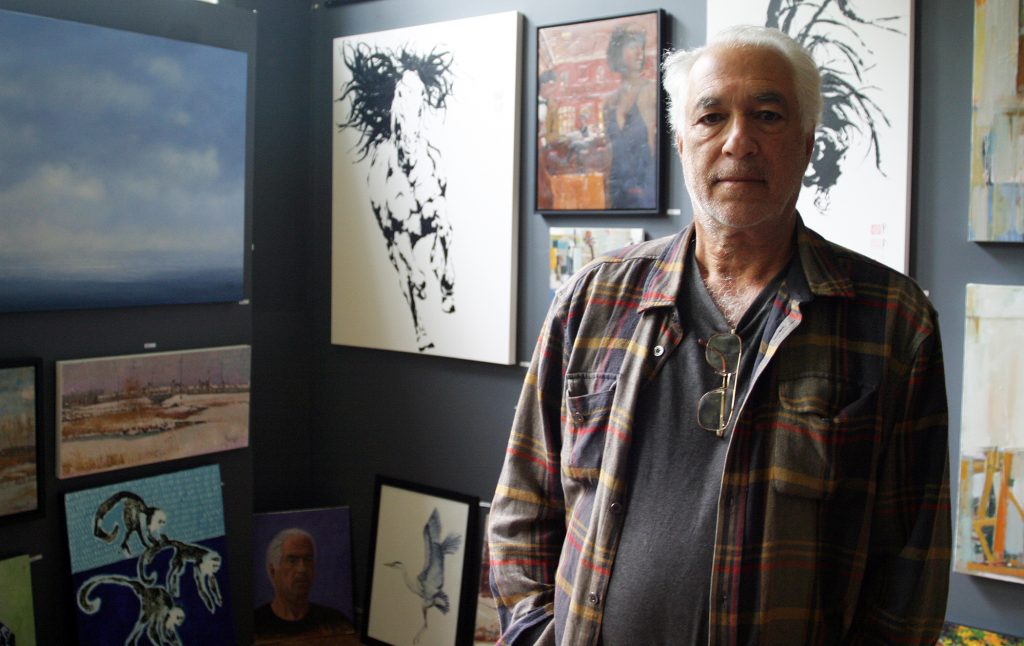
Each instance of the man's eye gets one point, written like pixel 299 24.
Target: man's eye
pixel 712 119
pixel 769 116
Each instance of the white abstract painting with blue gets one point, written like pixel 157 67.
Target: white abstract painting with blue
pixel 122 168
pixel 148 561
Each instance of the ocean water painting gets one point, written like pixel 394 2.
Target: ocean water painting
pixel 122 168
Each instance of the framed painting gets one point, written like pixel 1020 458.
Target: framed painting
pixel 425 188
pixel 17 614
pixel 138 195
pixel 997 192
pixel 989 538
pixel 423 569
pixel 149 557
pixel 302 566
pixel 856 190
pixel 572 248
pixel 599 121
pixel 20 434
pixel 119 412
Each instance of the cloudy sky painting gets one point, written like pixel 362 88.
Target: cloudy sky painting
pixel 122 168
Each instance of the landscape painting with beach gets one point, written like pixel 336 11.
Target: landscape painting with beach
pixel 118 412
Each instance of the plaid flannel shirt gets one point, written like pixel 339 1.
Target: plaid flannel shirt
pixel 833 518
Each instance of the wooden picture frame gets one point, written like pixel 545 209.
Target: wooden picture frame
pixel 599 120
pixel 20 437
pixel 415 598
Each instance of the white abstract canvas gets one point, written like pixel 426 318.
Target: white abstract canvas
pixel 857 188
pixel 990 514
pixel 425 182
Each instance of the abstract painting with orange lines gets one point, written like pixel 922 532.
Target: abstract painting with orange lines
pixel 990 514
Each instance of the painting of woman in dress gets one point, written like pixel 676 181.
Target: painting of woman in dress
pixel 631 119
pixel 598 128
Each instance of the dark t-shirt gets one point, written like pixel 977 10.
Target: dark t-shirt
pixel 320 620
pixel 658 592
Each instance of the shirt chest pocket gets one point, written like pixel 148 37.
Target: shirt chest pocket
pixel 588 415
pixel 824 436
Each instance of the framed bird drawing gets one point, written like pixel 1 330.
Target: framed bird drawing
pixel 423 566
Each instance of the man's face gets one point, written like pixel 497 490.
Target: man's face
pixel 742 146
pixel 292 577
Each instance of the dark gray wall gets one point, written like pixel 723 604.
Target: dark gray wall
pixel 327 419
pixel 445 422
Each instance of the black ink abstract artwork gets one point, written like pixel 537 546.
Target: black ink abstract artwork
pixel 425 188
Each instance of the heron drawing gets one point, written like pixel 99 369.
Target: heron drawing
pixel 429 585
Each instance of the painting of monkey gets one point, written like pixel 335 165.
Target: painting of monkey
pixel 205 564
pixel 132 542
pixel 159 617
pixel 136 515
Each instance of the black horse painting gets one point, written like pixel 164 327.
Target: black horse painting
pixel 396 98
pixel 830 30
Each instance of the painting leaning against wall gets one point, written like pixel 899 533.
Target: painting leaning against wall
pixel 990 515
pixel 118 412
pixel 149 557
pixel 997 192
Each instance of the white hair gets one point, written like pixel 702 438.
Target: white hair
pixel 277 544
pixel 806 77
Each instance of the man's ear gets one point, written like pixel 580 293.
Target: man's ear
pixel 809 144
pixel 679 146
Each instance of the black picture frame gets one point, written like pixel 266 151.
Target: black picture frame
pixel 21 464
pixel 596 153
pixel 404 597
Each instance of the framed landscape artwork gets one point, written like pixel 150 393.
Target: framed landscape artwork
pixel 599 119
pixel 997 192
pixel 857 187
pixel 122 177
pixel 326 533
pixel 990 515
pixel 118 412
pixel 423 574
pixel 17 614
pixel 425 188
pixel 149 558
pixel 20 448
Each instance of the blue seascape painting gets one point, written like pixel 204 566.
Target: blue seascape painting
pixel 148 561
pixel 122 168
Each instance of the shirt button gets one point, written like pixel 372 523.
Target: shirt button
pixel 593 598
pixel 578 416
pixel 659 350
pixel 615 508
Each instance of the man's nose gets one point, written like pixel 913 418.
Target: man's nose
pixel 739 138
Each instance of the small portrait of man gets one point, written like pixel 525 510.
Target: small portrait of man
pixel 303 589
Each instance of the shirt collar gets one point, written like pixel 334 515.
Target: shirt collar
pixel 826 273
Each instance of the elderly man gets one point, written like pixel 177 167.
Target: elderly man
pixel 291 566
pixel 735 435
